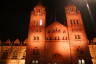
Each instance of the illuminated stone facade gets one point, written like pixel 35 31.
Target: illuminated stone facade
pixel 36 35
pixel 92 49
pixel 12 53
pixel 54 44
pixel 57 43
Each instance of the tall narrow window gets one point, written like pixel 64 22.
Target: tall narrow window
pixel 55 38
pixel 66 38
pixel 74 21
pixel 78 36
pixel 40 22
pixel 77 21
pixel 71 21
pixel 75 36
pixel 56 29
pixel 37 38
pixel 34 38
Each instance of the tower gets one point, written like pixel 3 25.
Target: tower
pixel 36 36
pixel 77 36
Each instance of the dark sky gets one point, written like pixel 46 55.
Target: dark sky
pixel 15 16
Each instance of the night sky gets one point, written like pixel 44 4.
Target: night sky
pixel 15 16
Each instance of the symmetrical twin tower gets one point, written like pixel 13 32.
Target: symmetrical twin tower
pixel 56 43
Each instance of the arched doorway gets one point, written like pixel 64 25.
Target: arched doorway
pixel 57 59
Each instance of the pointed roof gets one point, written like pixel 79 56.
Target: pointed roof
pixel 8 41
pixel 17 41
pixel 26 41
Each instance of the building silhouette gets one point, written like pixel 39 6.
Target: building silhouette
pixel 52 44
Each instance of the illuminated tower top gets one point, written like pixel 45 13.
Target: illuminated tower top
pixel 39 9
pixel 74 19
pixel 38 16
pixel 71 9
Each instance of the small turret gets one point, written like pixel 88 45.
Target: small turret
pixel 8 42
pixel 17 42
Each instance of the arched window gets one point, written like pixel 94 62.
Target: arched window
pixel 77 37
pixel 58 38
pixel 71 21
pixel 77 22
pixel 37 38
pixel 56 29
pixel 66 38
pixel 74 21
pixel 34 38
pixel 55 38
pixel 63 38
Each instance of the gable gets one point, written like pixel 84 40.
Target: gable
pixel 55 25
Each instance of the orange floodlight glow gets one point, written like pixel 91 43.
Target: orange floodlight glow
pixel 56 38
pixel 62 48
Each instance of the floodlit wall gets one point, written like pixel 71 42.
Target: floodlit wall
pixel 92 49
pixel 55 44
pixel 12 54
